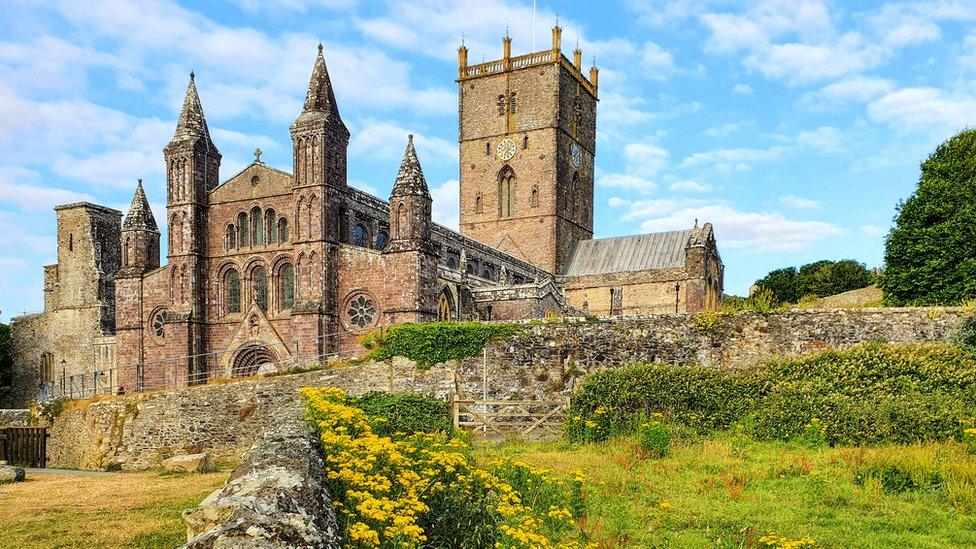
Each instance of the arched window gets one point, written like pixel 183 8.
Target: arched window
pixel 286 286
pixel 242 229
pixel 282 230
pixel 71 242
pixel 575 200
pixel 525 141
pixel 232 291
pixel 511 103
pixel 381 239
pixel 360 236
pixel 506 192
pixel 577 116
pixel 47 367
pixel 125 253
pixel 159 323
pixel 501 105
pixel 534 200
pixel 231 237
pixel 488 148
pixel 270 229
pixel 259 285
pixel 479 204
pixel 298 218
pixel 445 310
pixel 401 221
pixel 257 226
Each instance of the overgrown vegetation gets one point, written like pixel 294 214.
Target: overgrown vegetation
pixel 423 489
pixel 390 413
pixel 867 394
pixel 728 490
pixel 930 253
pixel 817 279
pixel 431 343
pixel 761 302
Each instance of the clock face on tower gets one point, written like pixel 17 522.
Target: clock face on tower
pixel 506 149
pixel 575 155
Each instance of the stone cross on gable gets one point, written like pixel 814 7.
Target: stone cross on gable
pixel 257 156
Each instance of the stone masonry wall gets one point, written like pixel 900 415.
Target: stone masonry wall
pixel 545 361
pixel 139 431
pixel 14 418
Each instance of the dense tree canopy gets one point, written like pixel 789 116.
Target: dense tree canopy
pixel 820 278
pixel 930 253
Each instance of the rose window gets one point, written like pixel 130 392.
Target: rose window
pixel 361 311
pixel 159 324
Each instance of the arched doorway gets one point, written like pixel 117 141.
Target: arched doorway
pixel 250 358
pixel 445 306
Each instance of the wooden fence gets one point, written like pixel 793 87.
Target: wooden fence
pixel 24 446
pixel 510 417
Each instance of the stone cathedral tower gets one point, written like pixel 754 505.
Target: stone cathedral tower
pixel 528 138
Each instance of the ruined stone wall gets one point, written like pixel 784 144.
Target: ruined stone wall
pixel 14 418
pixel 548 359
pixel 139 431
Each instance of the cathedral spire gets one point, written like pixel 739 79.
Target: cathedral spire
pixel 320 97
pixel 140 216
pixel 192 123
pixel 410 180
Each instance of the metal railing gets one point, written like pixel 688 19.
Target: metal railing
pixel 184 371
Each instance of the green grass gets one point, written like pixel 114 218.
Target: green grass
pixel 122 510
pixel 727 491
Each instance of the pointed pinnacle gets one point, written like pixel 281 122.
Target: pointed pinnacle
pixel 410 180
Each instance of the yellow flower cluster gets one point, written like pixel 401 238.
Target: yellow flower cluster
pixel 779 542
pixel 384 486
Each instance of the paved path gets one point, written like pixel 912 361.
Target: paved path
pixel 68 472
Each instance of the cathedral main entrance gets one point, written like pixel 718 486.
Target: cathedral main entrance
pixel 250 358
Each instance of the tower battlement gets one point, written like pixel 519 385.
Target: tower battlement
pixel 508 63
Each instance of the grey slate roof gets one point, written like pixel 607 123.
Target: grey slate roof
pixel 140 216
pixel 630 253
pixel 410 181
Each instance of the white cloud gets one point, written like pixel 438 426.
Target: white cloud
pixel 721 131
pixel 742 89
pixel 446 203
pixel 645 159
pixel 823 139
pixel 738 159
pixel 300 6
pixel 854 88
pixel 690 186
pixel 387 140
pixel 656 60
pixel 799 203
pixel 628 182
pixel 921 108
pixel 753 231
pixel 871 230
pixel 21 187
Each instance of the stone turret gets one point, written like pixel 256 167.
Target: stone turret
pixel 140 236
pixel 319 136
pixel 410 205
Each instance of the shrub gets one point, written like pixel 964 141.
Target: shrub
pixel 654 438
pixel 391 413
pixel 423 490
pixel 928 468
pixel 866 394
pixel 966 333
pixel 435 342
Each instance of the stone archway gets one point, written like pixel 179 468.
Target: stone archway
pixel 250 357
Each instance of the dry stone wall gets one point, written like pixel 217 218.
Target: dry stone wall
pixel 547 360
pixel 14 418
pixel 544 361
pixel 140 431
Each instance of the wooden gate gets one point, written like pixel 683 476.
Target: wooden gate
pixel 24 446
pixel 510 417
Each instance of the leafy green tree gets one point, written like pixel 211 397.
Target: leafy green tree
pixel 930 253
pixel 820 278
pixel 782 284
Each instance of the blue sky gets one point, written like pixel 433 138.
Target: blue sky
pixel 794 126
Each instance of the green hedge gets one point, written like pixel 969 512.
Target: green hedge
pixel 867 394
pixel 392 413
pixel 435 342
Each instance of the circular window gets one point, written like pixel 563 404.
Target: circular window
pixel 360 312
pixel 255 180
pixel 159 323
